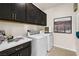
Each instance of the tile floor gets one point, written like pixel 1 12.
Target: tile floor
pixel 61 52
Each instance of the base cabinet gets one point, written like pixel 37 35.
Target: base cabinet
pixel 21 50
pixel 25 52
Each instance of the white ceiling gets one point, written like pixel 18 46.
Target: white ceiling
pixel 45 6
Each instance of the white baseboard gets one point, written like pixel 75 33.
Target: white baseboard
pixel 66 48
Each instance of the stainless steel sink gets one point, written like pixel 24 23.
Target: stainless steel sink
pixel 15 39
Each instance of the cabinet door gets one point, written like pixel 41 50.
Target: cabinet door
pixel 43 18
pixel 29 51
pixel 5 11
pixel 25 52
pixel 33 16
pixel 20 12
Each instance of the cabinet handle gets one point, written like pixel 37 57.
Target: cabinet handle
pixel 12 15
pixel 18 48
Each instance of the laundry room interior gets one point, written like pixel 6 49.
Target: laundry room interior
pixel 39 29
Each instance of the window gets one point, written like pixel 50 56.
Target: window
pixel 63 25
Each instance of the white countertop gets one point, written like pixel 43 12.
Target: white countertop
pixel 6 45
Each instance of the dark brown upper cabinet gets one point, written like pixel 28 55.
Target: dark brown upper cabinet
pixel 22 12
pixel 34 15
pixel 12 11
pixel 5 11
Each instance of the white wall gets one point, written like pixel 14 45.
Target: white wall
pixel 62 40
pixel 17 29
pixel 77 29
